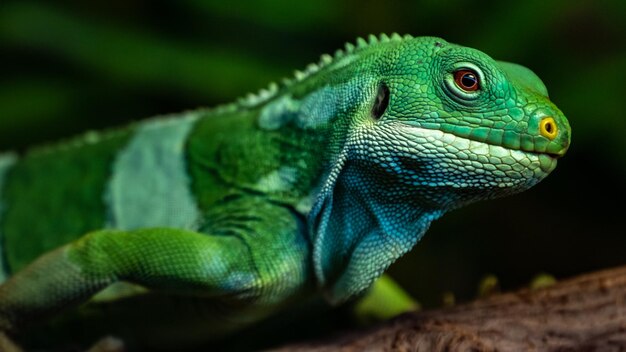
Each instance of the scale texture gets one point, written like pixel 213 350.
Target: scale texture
pixel 312 186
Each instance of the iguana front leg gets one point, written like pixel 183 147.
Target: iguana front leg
pixel 260 258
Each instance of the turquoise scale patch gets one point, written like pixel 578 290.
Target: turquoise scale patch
pixel 150 185
pixel 6 161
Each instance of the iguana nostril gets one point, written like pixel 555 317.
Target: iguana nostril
pixel 547 128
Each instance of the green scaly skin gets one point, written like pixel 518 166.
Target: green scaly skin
pixel 313 186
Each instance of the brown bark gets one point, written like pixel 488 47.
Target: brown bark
pixel 586 313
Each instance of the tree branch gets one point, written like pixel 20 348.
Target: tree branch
pixel 587 312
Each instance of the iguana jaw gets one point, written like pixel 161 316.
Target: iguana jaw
pixel 450 158
pixel 530 142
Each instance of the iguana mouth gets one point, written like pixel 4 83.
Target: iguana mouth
pixel 548 140
pixel 511 144
pixel 461 147
pixel 535 152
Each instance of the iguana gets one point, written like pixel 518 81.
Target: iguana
pixel 312 186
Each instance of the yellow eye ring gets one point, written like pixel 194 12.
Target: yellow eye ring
pixel 547 128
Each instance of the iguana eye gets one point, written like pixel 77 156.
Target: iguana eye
pixel 467 80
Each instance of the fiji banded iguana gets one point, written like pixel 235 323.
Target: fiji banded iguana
pixel 312 186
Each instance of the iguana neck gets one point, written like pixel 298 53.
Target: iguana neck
pixel 282 142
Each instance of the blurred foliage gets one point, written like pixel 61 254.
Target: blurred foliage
pixel 384 300
pixel 542 280
pixel 69 66
pixel 488 286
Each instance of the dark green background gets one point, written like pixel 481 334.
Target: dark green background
pixel 70 66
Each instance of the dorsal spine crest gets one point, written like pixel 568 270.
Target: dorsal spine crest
pixel 251 99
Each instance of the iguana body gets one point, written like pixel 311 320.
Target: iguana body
pixel 314 186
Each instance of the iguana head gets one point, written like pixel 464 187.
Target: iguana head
pixel 440 126
pixel 472 123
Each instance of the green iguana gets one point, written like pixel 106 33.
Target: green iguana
pixel 313 186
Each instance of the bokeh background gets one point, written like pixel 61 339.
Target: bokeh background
pixel 69 66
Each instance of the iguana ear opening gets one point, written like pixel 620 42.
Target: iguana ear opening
pixel 381 102
pixel 357 234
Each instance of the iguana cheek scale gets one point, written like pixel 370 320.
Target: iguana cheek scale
pixel 314 185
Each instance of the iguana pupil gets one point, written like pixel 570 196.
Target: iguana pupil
pixel 466 80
